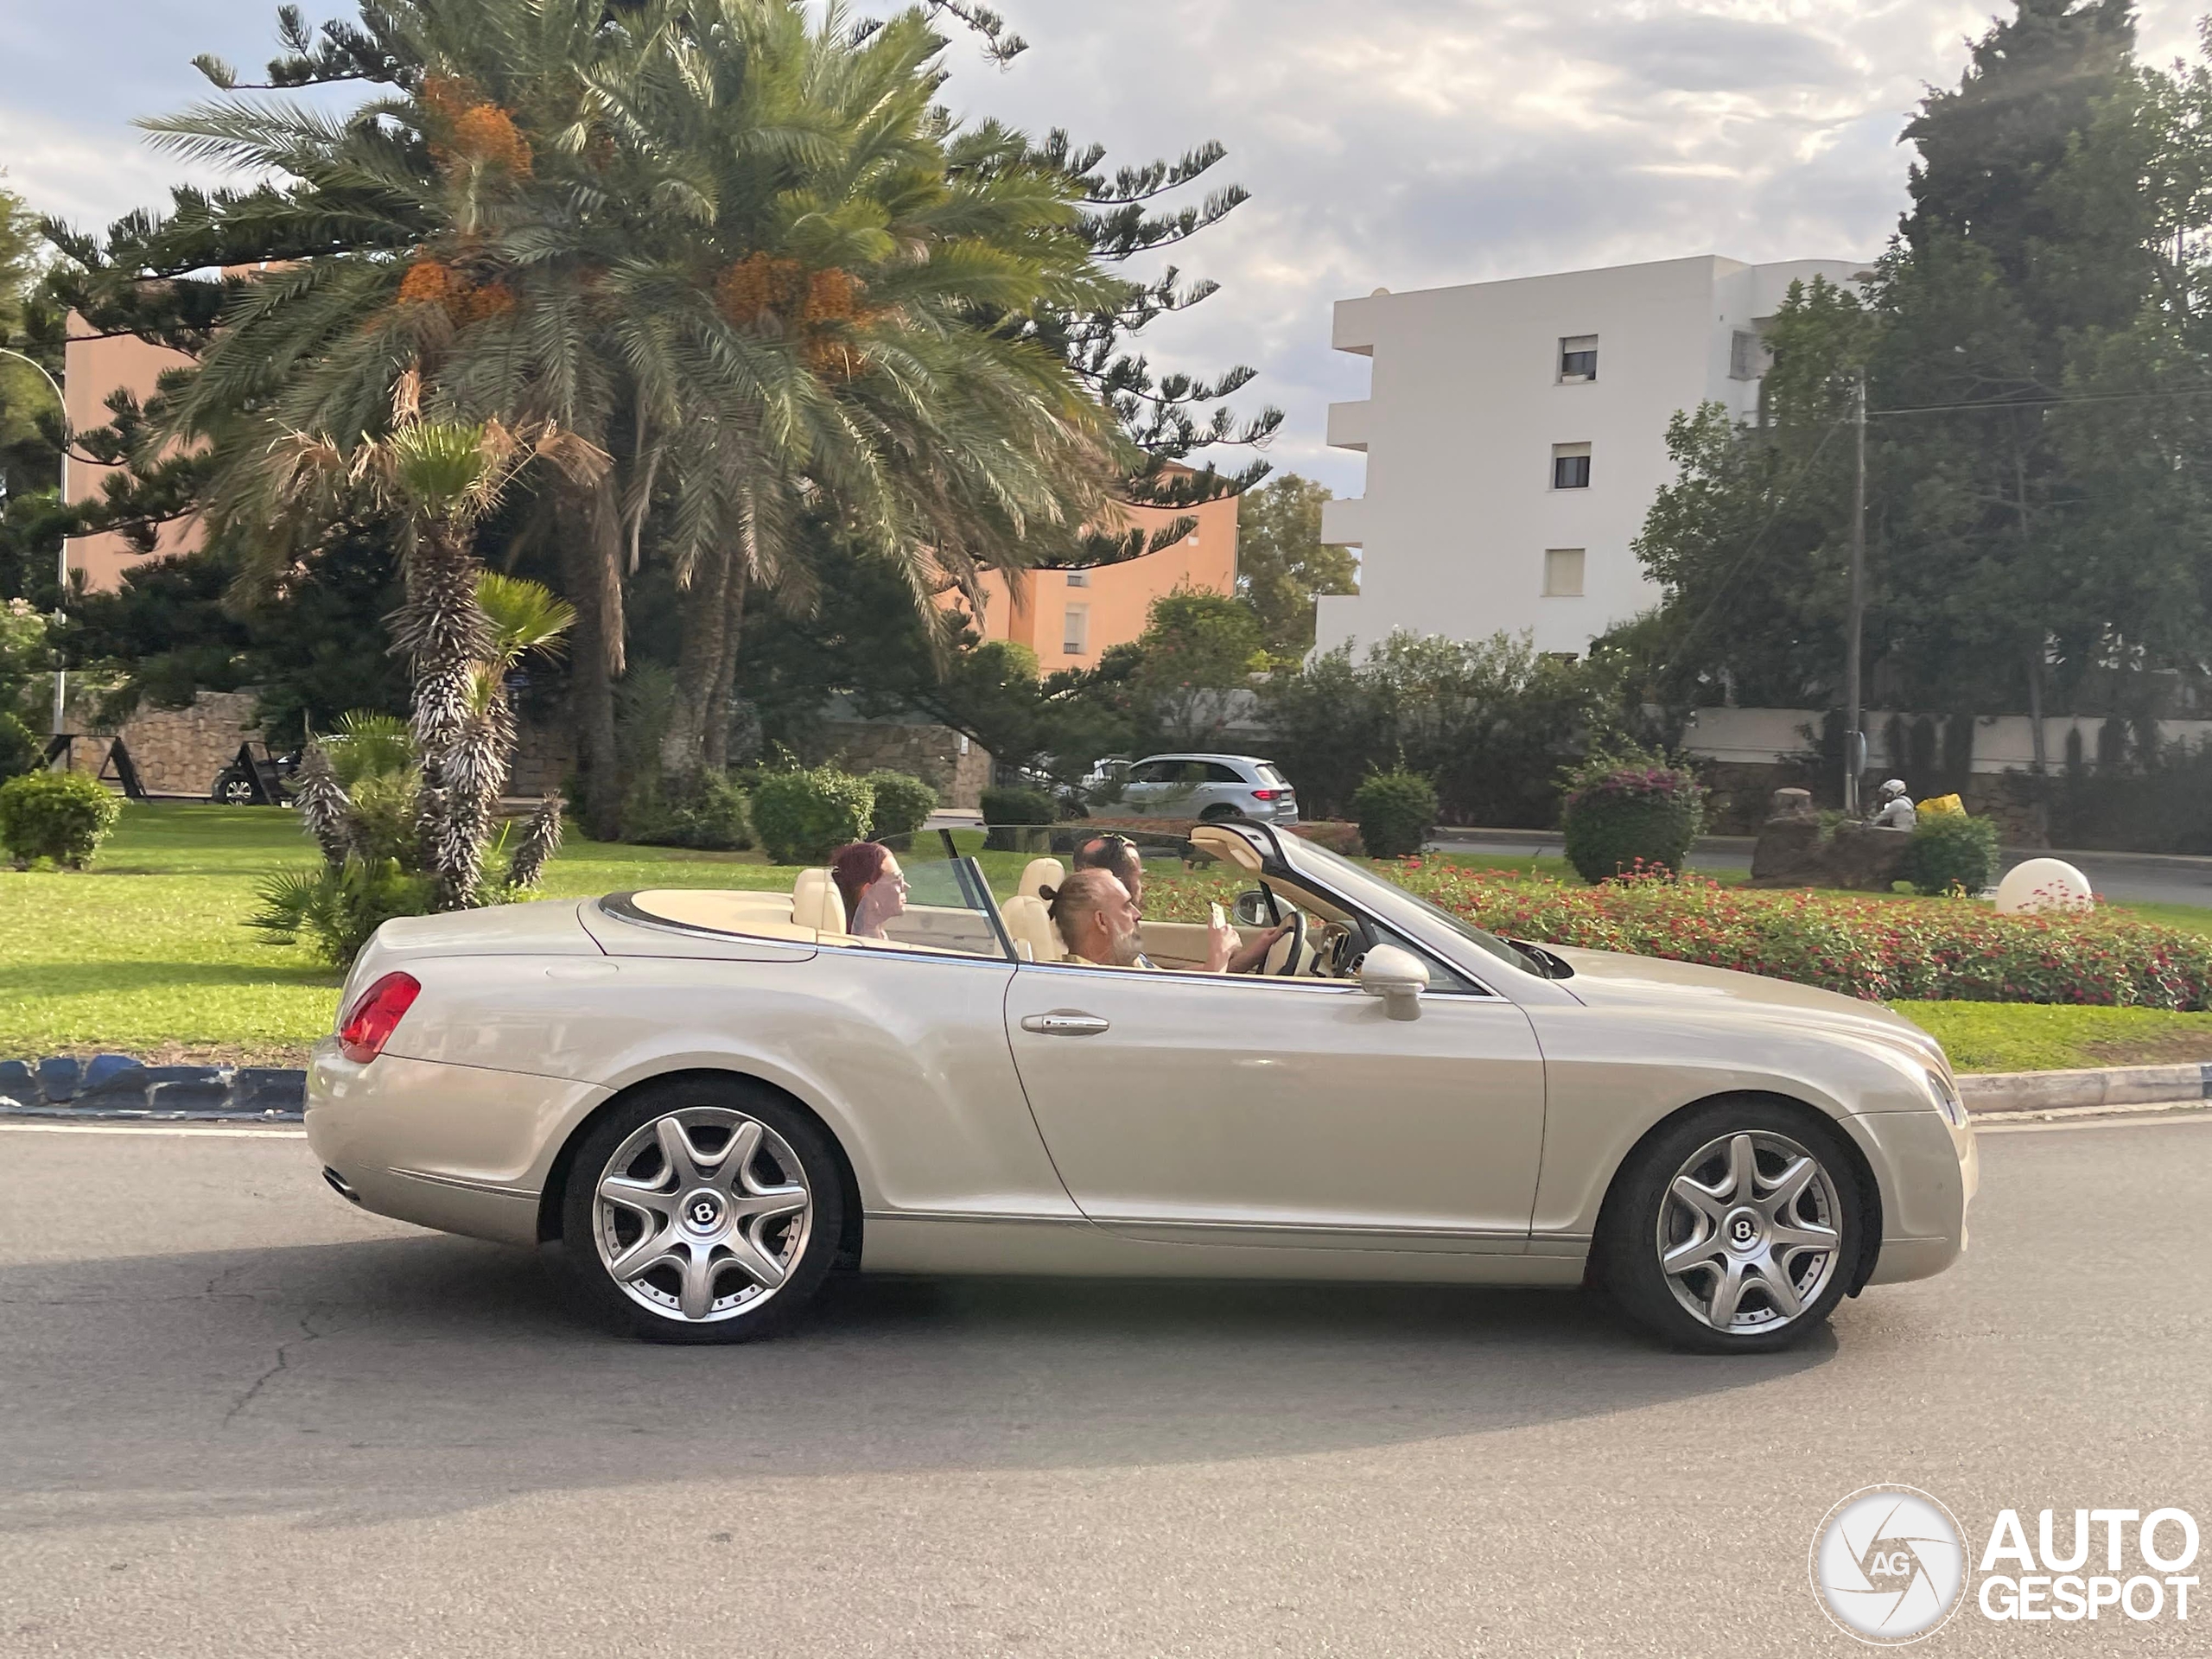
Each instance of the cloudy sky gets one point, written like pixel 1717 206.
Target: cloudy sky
pixel 1398 144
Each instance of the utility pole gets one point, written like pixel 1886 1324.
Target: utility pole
pixel 1854 740
pixel 60 676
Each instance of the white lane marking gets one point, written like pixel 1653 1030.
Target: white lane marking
pixel 2084 1123
pixel 274 1132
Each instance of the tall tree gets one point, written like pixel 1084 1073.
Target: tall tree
pixel 2034 343
pixel 741 253
pixel 1282 565
pixel 31 421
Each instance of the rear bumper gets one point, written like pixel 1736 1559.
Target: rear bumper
pixel 461 1148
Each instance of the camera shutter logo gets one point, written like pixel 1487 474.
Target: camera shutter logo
pixel 1888 1565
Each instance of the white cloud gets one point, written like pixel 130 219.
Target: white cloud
pixel 1404 143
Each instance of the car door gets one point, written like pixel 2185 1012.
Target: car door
pixel 1230 1109
pixel 1144 786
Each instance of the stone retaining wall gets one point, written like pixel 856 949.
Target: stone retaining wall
pixel 178 750
pixel 939 756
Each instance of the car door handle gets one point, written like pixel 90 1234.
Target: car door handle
pixel 1064 1023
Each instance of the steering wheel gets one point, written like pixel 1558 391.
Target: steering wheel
pixel 1283 954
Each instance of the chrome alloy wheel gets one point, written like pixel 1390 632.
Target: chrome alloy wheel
pixel 701 1214
pixel 1749 1233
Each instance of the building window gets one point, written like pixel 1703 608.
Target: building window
pixel 1075 631
pixel 1578 359
pixel 1563 572
pixel 1078 578
pixel 1746 355
pixel 1570 466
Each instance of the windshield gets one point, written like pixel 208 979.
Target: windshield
pixel 1362 886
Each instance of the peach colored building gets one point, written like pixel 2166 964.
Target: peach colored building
pixel 95 366
pixel 1069 617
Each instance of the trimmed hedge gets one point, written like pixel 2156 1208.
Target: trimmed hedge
pixel 1396 810
pixel 707 812
pixel 803 817
pixel 1883 950
pixel 1623 819
pixel 63 816
pixel 1018 806
pixel 1950 849
pixel 903 804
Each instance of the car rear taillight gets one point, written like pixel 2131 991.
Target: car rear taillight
pixel 1265 794
pixel 370 1026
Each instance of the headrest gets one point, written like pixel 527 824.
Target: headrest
pixel 1041 872
pixel 1030 924
pixel 816 902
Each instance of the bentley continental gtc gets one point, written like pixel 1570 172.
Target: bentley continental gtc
pixel 711 1100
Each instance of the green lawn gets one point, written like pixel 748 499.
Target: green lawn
pixel 2037 1037
pixel 147 952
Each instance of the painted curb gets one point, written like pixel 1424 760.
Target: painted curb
pixel 116 1087
pixel 2114 1086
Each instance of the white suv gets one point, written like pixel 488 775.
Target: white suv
pixel 1206 786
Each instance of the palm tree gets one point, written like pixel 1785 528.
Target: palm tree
pixel 743 256
pixel 460 628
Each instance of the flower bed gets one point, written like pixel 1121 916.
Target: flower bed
pixel 1882 950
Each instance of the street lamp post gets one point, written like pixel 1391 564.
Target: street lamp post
pixel 61 573
pixel 1855 740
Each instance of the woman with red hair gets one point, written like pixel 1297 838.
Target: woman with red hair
pixel 872 885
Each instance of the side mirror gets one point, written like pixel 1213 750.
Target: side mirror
pixel 1251 909
pixel 1397 976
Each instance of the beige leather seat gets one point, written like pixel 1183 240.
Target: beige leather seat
pixel 816 902
pixel 1041 872
pixel 1030 924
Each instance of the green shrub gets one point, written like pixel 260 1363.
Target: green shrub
pixel 903 804
pixel 1016 805
pixel 708 813
pixel 803 817
pixel 19 752
pixel 381 827
pixel 1626 813
pixel 1950 849
pixel 1395 811
pixel 63 816
pixel 336 907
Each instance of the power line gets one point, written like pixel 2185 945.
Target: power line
pixel 2043 403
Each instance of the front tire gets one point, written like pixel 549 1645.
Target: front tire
pixel 702 1209
pixel 1735 1230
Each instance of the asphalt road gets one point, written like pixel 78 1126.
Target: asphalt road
pixel 238 1418
pixel 2125 879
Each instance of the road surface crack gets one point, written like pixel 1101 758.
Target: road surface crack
pixel 282 1362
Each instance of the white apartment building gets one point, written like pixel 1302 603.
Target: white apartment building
pixel 1515 432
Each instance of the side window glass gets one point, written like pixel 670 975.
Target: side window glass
pixel 1217 773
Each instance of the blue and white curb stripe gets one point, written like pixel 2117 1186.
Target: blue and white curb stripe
pixel 118 1087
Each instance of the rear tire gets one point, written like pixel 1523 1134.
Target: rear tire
pixel 232 788
pixel 702 1209
pixel 1220 814
pixel 1735 1230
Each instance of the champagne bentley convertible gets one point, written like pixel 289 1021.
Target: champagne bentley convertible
pixel 712 1099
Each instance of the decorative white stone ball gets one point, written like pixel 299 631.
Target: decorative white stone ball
pixel 2043 884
